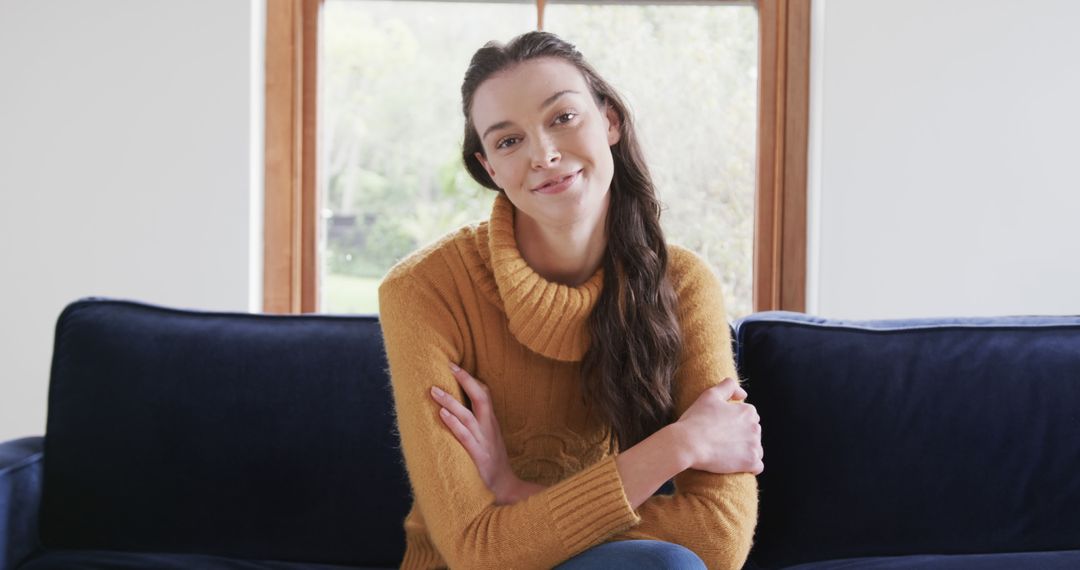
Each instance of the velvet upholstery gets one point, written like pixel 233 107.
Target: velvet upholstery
pixel 1054 560
pixel 20 498
pixel 181 438
pixel 103 559
pixel 249 436
pixel 909 437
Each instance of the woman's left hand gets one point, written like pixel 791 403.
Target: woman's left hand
pixel 478 431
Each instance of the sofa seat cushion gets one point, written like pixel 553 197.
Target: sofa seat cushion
pixel 1053 560
pixel 102 559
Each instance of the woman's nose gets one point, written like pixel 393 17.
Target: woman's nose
pixel 544 153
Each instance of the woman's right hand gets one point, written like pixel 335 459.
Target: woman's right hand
pixel 723 436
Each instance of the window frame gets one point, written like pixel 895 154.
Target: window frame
pixel 291 204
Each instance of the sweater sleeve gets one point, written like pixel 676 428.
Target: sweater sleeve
pixel 422 336
pixel 712 514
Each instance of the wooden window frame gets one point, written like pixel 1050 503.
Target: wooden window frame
pixel 290 206
pixel 291 271
pixel 783 131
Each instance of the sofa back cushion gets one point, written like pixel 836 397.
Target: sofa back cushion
pixel 914 436
pixel 245 435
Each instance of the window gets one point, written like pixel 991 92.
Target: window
pixel 346 227
pixel 392 125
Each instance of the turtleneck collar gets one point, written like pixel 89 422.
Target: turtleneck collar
pixel 549 318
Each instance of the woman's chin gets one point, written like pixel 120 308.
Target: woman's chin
pixel 572 206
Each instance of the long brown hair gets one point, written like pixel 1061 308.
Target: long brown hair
pixel 635 337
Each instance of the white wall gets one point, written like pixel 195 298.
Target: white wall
pixel 943 136
pixel 944 144
pixel 126 168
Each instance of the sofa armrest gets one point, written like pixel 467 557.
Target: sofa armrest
pixel 21 468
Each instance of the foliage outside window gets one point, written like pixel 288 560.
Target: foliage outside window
pixel 393 125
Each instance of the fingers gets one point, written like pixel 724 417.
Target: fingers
pixel 476 390
pixel 754 461
pixel 463 434
pixel 457 409
pixel 456 414
pixel 739 394
pixel 460 420
pixel 730 389
pixel 759 451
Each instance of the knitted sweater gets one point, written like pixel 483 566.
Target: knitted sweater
pixel 472 299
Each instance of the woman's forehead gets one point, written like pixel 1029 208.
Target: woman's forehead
pixel 522 90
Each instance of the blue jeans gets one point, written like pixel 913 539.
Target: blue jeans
pixel 635 555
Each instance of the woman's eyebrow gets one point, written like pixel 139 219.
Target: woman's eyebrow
pixel 548 101
pixel 552 99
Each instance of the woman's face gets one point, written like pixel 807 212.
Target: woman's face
pixel 538 122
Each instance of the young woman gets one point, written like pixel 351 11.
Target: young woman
pixel 554 365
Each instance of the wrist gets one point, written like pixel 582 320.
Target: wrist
pixel 682 443
pixel 526 489
pixel 506 489
pixel 515 489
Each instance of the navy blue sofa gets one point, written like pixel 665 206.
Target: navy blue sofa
pixel 179 438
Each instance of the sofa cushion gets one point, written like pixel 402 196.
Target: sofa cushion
pixel 249 436
pixel 98 559
pixel 21 473
pixel 942 436
pixel 1058 560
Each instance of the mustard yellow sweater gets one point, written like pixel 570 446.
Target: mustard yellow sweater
pixel 471 298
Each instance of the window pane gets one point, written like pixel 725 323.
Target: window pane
pixel 392 125
pixel 391 129
pixel 689 74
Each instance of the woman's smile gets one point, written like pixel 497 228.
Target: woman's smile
pixel 559 186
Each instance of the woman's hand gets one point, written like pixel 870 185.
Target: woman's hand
pixel 724 436
pixel 478 431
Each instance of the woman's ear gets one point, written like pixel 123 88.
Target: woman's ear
pixel 484 163
pixel 614 132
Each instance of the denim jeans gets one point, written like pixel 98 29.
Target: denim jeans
pixel 635 555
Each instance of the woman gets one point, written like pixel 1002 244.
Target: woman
pixel 554 365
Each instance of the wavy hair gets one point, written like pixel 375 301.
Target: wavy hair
pixel 628 369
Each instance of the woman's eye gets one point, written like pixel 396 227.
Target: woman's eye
pixel 559 120
pixel 569 116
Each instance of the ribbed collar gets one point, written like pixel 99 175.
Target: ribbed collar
pixel 549 318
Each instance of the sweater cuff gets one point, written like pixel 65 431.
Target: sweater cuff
pixel 591 506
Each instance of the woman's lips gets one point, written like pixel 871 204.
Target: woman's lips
pixel 563 184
